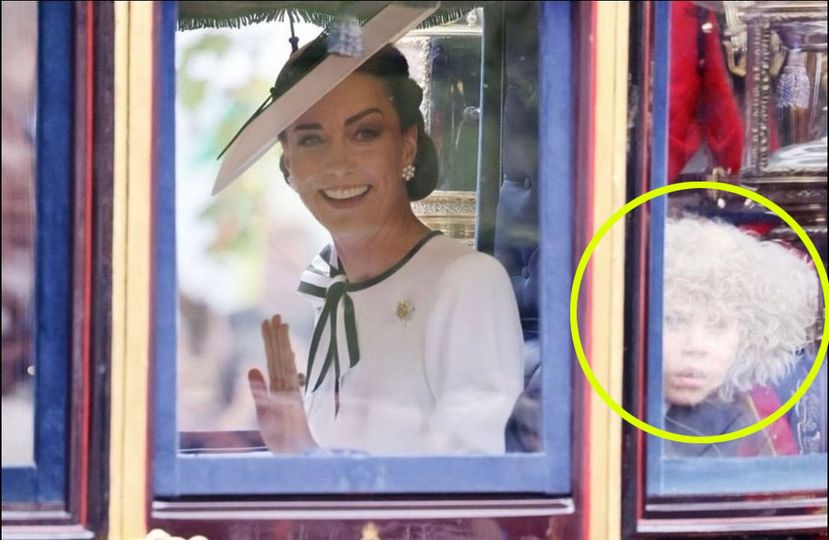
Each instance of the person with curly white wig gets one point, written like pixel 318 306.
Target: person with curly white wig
pixel 739 312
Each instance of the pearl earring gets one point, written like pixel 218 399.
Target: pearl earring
pixel 408 172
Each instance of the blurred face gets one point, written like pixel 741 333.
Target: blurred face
pixel 698 350
pixel 346 155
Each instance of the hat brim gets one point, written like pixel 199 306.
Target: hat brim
pixel 389 25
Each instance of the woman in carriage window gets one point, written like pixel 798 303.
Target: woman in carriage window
pixel 417 346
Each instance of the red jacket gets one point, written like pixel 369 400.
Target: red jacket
pixel 702 103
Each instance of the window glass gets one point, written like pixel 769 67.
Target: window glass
pixel 19 93
pixel 747 90
pixel 738 306
pixel 739 333
pixel 242 253
pixel 445 372
pixel 706 92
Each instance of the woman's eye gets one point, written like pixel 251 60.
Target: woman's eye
pixel 367 134
pixel 309 140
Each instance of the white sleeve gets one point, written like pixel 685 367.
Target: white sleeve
pixel 474 360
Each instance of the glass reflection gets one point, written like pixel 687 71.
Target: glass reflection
pixel 19 95
pixel 799 97
pixel 706 125
pixel 738 333
pixel 238 255
pixel 786 87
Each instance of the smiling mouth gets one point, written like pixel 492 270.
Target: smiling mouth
pixel 347 193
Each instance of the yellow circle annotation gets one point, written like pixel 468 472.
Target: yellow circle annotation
pixel 579 276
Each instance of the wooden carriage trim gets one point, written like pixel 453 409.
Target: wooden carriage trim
pixel 605 318
pixel 131 268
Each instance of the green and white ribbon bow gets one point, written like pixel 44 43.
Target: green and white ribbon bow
pixel 325 284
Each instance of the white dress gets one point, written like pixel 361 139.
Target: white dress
pixel 440 354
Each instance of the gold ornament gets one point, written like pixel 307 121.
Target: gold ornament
pixel 370 532
pixel 404 310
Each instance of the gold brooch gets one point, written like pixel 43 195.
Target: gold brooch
pixel 404 310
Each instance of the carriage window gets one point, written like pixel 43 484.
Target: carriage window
pixel 242 252
pixel 366 373
pixel 739 306
pixel 19 101
pixel 37 252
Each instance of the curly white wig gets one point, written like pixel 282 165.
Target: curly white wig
pixel 768 288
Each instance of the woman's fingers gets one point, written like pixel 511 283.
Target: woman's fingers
pixel 281 416
pixel 270 353
pixel 286 357
pixel 269 426
pixel 258 388
pixel 282 372
pixel 278 377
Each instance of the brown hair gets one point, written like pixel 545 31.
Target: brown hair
pixel 390 66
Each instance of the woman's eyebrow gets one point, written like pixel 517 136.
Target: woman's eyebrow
pixel 308 126
pixel 351 119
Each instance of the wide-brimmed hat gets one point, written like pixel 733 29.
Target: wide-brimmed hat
pixel 262 131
